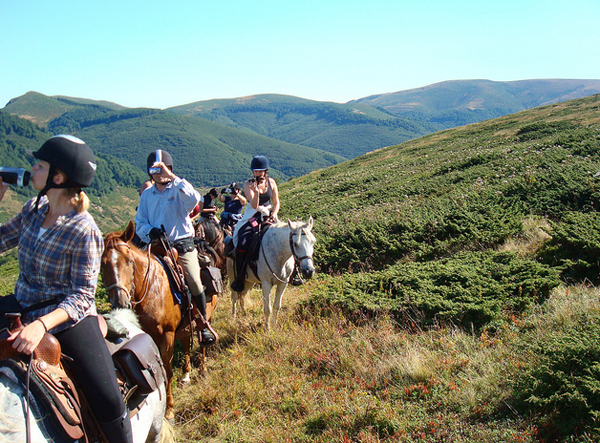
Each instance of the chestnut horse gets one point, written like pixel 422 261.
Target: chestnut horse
pixel 212 232
pixel 135 279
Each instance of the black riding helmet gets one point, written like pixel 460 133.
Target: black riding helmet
pixel 72 156
pixel 259 163
pixel 164 156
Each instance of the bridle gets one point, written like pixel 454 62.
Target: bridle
pixel 297 259
pixel 131 265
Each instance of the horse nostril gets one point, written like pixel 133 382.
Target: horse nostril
pixel 307 273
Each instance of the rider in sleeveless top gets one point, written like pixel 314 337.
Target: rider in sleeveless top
pixel 263 198
pixel 208 209
pixel 60 248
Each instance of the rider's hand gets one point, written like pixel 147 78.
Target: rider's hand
pixel 28 338
pixel 155 233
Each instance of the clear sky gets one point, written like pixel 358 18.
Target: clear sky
pixel 166 53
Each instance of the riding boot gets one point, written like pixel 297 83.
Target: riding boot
pixel 208 336
pixel 118 430
pixel 240 272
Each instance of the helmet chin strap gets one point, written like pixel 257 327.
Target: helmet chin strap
pixel 50 184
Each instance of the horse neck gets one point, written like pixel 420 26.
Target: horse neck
pixel 141 264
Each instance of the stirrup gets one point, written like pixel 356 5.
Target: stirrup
pixel 201 325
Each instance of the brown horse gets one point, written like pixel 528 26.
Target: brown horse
pixel 212 232
pixel 135 279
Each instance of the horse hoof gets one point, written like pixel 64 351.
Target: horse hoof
pixel 185 380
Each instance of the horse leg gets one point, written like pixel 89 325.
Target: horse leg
pixel 166 346
pixel 234 302
pixel 202 362
pixel 266 290
pixel 186 345
pixel 277 302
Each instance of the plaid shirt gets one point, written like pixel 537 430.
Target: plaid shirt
pixel 64 262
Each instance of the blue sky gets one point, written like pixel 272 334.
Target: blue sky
pixel 166 53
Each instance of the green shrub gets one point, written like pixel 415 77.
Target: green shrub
pixel 561 390
pixel 575 246
pixel 471 290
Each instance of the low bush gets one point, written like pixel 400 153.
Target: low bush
pixel 470 290
pixel 575 247
pixel 560 389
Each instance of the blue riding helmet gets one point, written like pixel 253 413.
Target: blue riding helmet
pixel 259 163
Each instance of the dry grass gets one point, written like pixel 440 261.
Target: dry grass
pixel 535 233
pixel 326 379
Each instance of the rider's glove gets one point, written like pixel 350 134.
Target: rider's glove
pixel 155 233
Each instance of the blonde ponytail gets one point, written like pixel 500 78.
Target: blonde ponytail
pixel 78 199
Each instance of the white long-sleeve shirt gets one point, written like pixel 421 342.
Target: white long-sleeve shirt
pixel 169 208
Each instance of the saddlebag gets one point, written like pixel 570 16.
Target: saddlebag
pixel 139 362
pixel 212 281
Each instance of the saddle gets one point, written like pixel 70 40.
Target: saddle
pixel 168 256
pixel 139 372
pixel 256 233
pixel 48 380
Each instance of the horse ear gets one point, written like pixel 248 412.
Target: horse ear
pixel 129 232
pixel 290 223
pixel 310 223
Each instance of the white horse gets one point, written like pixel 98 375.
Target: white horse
pixel 148 425
pixel 282 246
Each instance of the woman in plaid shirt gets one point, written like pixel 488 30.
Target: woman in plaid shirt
pixel 59 260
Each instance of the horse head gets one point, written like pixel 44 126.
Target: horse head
pixel 302 243
pixel 117 267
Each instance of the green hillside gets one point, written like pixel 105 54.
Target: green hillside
pixel 446 203
pixel 113 191
pixel 206 153
pixel 42 110
pixel 346 130
pixel 459 102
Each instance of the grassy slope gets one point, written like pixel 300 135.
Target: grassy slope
pixel 325 379
pixel 457 102
pixel 540 162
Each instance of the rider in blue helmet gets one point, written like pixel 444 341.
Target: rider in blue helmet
pixel 263 198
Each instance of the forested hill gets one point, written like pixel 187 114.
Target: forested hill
pixel 17 135
pixel 343 129
pixel 206 153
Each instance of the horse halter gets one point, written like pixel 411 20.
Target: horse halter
pixel 131 265
pixel 297 259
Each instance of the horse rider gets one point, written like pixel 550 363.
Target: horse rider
pixel 167 204
pixel 263 198
pixel 233 205
pixel 208 208
pixel 59 248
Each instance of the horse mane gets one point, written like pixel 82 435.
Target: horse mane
pixel 126 316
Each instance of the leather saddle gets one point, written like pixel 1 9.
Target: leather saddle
pixel 139 367
pixel 264 223
pixel 168 257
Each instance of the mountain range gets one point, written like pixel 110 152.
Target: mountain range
pixel 213 141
